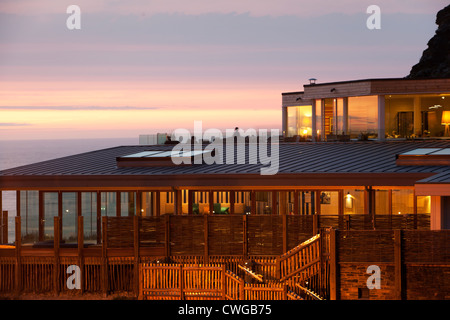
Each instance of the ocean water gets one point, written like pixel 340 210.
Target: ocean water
pixel 23 152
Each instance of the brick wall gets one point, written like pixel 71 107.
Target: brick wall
pixel 353 276
pixel 427 282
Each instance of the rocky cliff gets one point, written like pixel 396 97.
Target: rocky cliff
pixel 435 61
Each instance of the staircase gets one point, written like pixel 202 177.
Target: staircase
pixel 298 274
pixel 299 269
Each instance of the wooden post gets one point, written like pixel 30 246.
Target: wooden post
pixel 284 292
pixel 232 201
pixel 56 243
pixel 253 200
pixel 211 202
pixel 398 264
pixel 274 202
pixel 136 253
pixel 99 217
pixel 285 233
pixel 5 227
pixel 80 238
pixel 105 255
pixel 206 238
pixel 241 289
pixel 167 236
pixel 315 224
pixel 157 203
pixel 18 243
pixel 278 268
pixel 415 209
pixel 177 202
pixel 224 284
pixel 41 216
pixel 190 195
pixel 333 265
pixel 341 202
pixel 181 277
pixel 245 236
pixel 317 201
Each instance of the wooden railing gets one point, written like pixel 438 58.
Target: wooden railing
pixel 181 282
pixel 302 261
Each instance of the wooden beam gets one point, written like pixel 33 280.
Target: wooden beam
pixel 206 238
pixel 56 244
pixel 274 202
pixel 285 232
pixel 41 214
pixel 333 265
pixel 18 245
pixel 167 235
pixel 104 268
pixel 245 236
pixel 296 202
pixel 190 195
pixel 253 200
pixel 136 253
pixel 118 204
pixel 157 203
pixel 99 217
pixel 232 201
pixel 398 264
pixel 5 227
pixel 80 241
pixel 211 202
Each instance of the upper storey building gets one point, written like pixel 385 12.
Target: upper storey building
pixel 395 108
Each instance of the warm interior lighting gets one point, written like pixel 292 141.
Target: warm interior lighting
pixel 348 201
pixel 446 121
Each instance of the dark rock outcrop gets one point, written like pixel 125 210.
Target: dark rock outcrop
pixel 435 61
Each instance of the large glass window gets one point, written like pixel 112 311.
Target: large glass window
pixel 69 216
pixel 363 117
pixel 416 115
pixel 29 214
pixel 424 204
pixel 89 212
pixel 382 202
pixel 167 202
pixel 263 202
pixel 147 204
pixel 329 202
pixel 299 122
pixel 306 202
pixel 242 202
pixel 50 211
pixel 108 204
pixel 127 203
pixel 221 202
pixel 353 201
pixel 402 201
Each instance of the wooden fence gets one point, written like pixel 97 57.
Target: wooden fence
pixel 241 235
pixel 113 266
pixel 412 264
pixel 211 282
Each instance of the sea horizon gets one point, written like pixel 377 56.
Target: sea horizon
pixel 16 153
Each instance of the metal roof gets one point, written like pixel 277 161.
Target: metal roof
pixel 295 160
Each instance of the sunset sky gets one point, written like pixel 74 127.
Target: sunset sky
pixel 140 66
